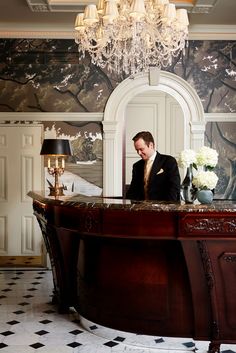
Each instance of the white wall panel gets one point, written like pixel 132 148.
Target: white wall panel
pixel 174 132
pixel 3 235
pixel 27 164
pixel 27 141
pixel 3 179
pixel 27 235
pixel 140 117
pixel 2 140
pixel 143 113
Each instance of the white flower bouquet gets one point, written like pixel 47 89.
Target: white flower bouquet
pixel 187 158
pixel 207 157
pixel 205 180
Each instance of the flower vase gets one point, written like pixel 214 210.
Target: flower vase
pixel 188 192
pixel 205 196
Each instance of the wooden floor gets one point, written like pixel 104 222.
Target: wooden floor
pixel 21 261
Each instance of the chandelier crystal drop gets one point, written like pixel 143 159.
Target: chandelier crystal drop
pixel 131 35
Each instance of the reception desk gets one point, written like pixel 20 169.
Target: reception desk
pixel 144 267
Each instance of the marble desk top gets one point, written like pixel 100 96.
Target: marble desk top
pixel 82 201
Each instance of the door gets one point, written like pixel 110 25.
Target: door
pixel 159 113
pixel 20 172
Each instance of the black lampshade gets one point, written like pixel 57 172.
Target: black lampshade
pixel 56 147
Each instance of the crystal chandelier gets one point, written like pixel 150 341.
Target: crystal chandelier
pixel 131 35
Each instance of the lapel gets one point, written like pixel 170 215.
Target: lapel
pixel 157 163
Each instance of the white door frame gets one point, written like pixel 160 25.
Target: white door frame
pixel 114 121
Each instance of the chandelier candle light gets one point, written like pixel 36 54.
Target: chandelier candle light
pixel 131 35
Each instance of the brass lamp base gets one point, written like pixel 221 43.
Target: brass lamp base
pixel 56 191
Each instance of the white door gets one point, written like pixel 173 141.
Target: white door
pixel 20 172
pixel 160 114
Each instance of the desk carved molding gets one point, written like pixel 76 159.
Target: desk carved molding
pixel 198 225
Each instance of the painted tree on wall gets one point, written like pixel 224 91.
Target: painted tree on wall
pixel 210 67
pixel 48 75
pixel 222 137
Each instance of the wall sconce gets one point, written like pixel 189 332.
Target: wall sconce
pixel 56 150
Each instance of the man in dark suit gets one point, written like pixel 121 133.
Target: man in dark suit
pixel 162 181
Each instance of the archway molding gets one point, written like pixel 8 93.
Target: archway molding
pixel 114 121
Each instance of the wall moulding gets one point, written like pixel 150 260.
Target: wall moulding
pixel 212 32
pixel 220 117
pixel 36 34
pixel 196 32
pixel 37 116
pixel 29 116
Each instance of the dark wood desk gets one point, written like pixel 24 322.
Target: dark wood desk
pixel 150 268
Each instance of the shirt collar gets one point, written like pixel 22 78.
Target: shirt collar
pixel 153 156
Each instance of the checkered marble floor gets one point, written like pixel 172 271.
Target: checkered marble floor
pixel 29 322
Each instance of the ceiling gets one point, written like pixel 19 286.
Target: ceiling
pixel 55 18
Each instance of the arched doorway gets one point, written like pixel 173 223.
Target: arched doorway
pixel 114 122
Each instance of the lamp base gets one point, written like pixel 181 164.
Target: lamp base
pixel 56 191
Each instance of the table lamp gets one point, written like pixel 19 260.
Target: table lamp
pixel 56 150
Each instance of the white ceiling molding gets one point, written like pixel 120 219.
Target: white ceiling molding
pixel 212 32
pixel 57 5
pixel 202 6
pixel 197 32
pixel 24 27
pixel 193 6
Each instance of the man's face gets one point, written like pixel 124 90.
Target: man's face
pixel 143 150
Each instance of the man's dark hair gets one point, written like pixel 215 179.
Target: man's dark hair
pixel 146 136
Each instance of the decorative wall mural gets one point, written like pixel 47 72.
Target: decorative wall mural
pixel 209 67
pixel 83 170
pixel 222 137
pixel 47 75
pixel 42 75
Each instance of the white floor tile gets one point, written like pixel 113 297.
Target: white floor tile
pixel 30 323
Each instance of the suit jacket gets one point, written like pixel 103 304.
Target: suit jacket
pixel 164 180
